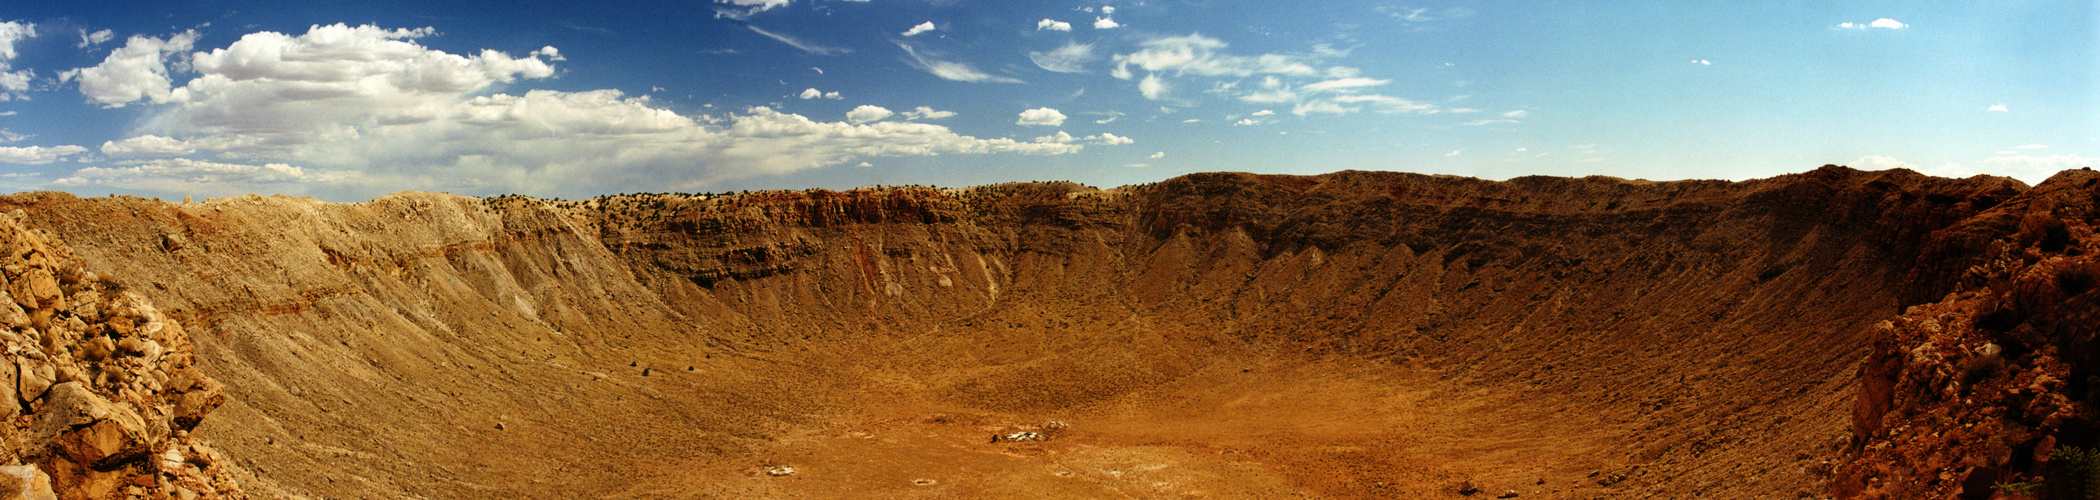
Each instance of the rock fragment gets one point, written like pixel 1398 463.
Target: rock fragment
pixel 33 378
pixel 25 482
pixel 88 428
pixel 206 396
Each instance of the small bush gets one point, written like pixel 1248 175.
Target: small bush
pixel 2081 470
pixel 2077 280
pixel 2046 231
pixel 2021 488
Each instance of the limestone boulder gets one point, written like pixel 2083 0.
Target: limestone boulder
pixel 33 378
pixel 43 287
pixel 10 405
pixel 191 408
pixel 89 429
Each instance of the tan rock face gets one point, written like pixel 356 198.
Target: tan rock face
pixel 89 426
pixel 1352 335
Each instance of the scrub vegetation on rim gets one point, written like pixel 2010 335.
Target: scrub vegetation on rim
pixel 1349 335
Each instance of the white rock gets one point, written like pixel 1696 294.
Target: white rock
pixel 25 482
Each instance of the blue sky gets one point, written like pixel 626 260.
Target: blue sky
pixel 352 100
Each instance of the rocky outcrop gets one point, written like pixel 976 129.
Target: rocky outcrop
pixel 100 389
pixel 1972 392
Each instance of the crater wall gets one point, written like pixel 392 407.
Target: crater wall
pixel 1348 335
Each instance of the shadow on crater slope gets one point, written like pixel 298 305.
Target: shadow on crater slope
pixel 1351 335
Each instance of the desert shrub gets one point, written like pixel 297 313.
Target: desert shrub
pixel 2081 468
pixel 2020 488
pixel 2046 231
pixel 2077 279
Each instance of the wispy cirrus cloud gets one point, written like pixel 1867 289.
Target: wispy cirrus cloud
pixel 800 44
pixel 950 70
pixel 1070 58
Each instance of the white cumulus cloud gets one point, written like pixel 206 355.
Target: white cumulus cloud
pixel 1103 23
pixel 1879 162
pixel 138 70
pixel 2029 169
pixel 172 173
pixel 1298 79
pixel 1997 107
pixel 812 93
pixel 92 39
pixel 867 113
pixel 146 146
pixel 1883 23
pixel 11 32
pixel 1152 87
pixel 1052 25
pixel 921 28
pixel 2034 169
pixel 13 84
pixel 1104 139
pixel 37 155
pixel 1041 116
pixel 364 111
pixel 926 113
